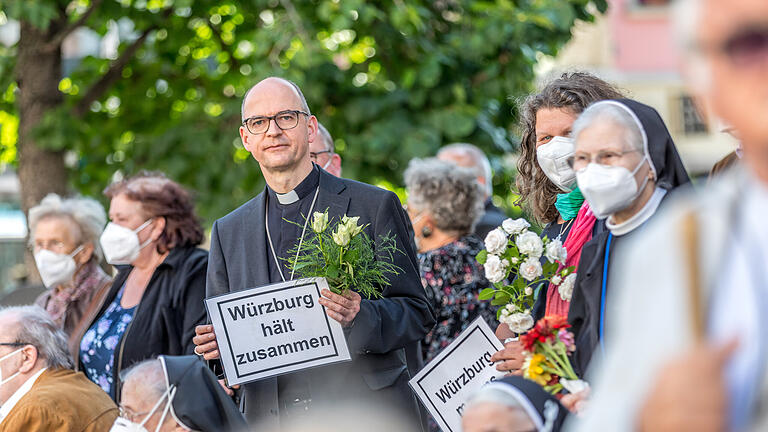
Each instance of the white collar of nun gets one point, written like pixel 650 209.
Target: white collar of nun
pixel 640 217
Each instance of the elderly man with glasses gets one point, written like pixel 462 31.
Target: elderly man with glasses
pixel 322 152
pixel 38 389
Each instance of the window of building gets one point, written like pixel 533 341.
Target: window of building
pixel 693 122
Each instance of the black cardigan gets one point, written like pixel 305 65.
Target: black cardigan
pixel 165 318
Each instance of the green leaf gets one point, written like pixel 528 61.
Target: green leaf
pixel 482 256
pixel 486 294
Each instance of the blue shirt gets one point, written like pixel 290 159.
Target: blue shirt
pixel 97 348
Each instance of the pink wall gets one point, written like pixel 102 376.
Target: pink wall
pixel 643 40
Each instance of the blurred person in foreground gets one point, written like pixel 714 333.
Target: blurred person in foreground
pixel 547 186
pixel 444 203
pixel 176 393
pixel 513 404
pixel 156 299
pixel 39 391
pixel 470 156
pixel 689 349
pixel 64 234
pixel 322 151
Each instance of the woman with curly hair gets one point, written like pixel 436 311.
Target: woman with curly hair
pixel 547 184
pixel 156 299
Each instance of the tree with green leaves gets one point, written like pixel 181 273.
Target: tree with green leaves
pixel 391 80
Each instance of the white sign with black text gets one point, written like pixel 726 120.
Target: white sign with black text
pixel 275 329
pixel 445 383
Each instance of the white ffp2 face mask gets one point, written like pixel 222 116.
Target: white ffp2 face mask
pixel 553 160
pixel 122 424
pixel 55 268
pixel 121 244
pixel 609 189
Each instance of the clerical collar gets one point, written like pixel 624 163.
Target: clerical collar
pixel 304 189
pixel 648 210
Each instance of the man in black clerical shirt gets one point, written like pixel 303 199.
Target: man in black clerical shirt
pixel 248 244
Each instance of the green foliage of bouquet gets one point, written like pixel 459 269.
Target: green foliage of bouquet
pixel 346 256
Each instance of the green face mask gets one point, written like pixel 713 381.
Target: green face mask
pixel 568 204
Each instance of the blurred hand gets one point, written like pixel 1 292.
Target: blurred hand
pixel 510 359
pixel 230 390
pixel 205 342
pixel 689 393
pixel 342 308
pixel 575 402
pixel 503 332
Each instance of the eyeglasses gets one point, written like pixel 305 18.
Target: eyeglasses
pixel 13 343
pixel 746 47
pixel 313 155
pixel 288 119
pixel 130 415
pixel 606 157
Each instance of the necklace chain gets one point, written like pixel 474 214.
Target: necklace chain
pixel 301 239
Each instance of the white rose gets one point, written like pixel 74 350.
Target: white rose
pixel 519 322
pixel 496 242
pixel 511 308
pixel 494 269
pixel 515 226
pixel 566 288
pixel 530 244
pixel 556 280
pixel 341 236
pixel 319 222
pixel 351 224
pixel 530 269
pixel 528 290
pixel 555 251
pixel 515 260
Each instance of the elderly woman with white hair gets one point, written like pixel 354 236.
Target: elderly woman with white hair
pixel 626 163
pixel 444 203
pixel 64 234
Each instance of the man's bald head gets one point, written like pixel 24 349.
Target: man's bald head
pixel 275 81
pixel 469 156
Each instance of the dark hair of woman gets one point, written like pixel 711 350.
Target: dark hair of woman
pixel 574 91
pixel 162 197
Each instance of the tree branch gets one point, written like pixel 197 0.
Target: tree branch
pixel 113 74
pixel 59 37
pixel 233 62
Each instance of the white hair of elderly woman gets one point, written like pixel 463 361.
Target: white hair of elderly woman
pixel 450 193
pixel 87 213
pixel 35 327
pixel 613 112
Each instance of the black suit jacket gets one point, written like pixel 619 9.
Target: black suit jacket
pixel 378 370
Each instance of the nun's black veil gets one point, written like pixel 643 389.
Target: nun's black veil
pixel 200 403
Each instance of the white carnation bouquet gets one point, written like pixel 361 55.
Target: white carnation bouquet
pixel 512 263
pixel 341 252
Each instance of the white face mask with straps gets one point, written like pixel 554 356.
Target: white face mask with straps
pixel 122 424
pixel 553 160
pixel 56 268
pixel 609 189
pixel 121 244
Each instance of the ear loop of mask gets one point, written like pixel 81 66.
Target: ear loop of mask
pixel 330 159
pixel 170 393
pixel 645 182
pixel 140 228
pixel 14 374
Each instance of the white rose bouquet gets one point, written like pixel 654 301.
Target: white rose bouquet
pixel 346 256
pixel 512 263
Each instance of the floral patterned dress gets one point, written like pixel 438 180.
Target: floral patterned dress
pixel 453 279
pixel 97 348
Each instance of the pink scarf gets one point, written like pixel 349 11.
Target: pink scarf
pixel 579 235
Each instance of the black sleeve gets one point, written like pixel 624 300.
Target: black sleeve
pixel 216 282
pixel 194 314
pixel 403 315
